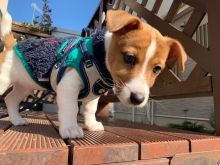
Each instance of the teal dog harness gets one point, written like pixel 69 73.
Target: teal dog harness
pixel 44 57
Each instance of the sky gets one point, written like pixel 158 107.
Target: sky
pixel 67 14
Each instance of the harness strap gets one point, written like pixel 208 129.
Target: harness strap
pixel 61 65
pixel 55 77
pixel 86 55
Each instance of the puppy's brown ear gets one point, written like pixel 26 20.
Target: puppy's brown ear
pixel 121 21
pixel 176 53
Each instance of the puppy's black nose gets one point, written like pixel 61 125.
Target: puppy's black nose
pixel 136 98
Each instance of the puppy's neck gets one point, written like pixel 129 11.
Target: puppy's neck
pixel 100 52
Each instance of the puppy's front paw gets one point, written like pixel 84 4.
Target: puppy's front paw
pixel 95 126
pixel 71 132
pixel 19 121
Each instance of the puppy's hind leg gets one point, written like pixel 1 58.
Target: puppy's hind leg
pixel 4 83
pixel 13 100
pixel 5 78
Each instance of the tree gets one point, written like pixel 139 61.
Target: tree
pixel 44 21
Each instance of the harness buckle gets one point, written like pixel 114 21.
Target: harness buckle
pixel 88 63
pixel 57 65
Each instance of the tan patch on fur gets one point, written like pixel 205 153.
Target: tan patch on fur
pixel 2 57
pixel 69 69
pixel 9 42
pixel 132 35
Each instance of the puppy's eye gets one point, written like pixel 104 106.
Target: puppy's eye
pixel 157 69
pixel 129 59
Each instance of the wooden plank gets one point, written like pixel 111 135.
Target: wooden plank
pixel 100 14
pixel 122 5
pixel 130 11
pixel 3 112
pixel 199 158
pixel 198 141
pixel 108 98
pixel 100 147
pixel 152 144
pixel 117 4
pixel 103 110
pixel 214 40
pixel 196 86
pixel 36 143
pixel 193 22
pixel 169 76
pixel 173 10
pixel 156 6
pixel 25 31
pixel 193 49
pixel 197 4
pixel 197 74
pixel 187 89
pixel 205 29
pixel 103 147
pixel 161 161
pixel 4 124
pixel 144 3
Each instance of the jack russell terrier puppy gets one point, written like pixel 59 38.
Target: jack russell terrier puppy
pixel 127 57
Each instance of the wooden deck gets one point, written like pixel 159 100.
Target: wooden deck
pixel 120 143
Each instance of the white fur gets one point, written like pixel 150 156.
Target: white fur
pixel 139 83
pixel 89 116
pixel 67 99
pixel 6 23
pixel 151 50
pixel 5 72
pixel 13 73
pixel 13 100
pixel 108 39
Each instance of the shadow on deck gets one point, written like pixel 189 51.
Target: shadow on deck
pixel 120 143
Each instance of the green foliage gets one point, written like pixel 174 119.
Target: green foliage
pixel 31 28
pixel 44 22
pixel 191 126
pixel 212 119
pixel 23 37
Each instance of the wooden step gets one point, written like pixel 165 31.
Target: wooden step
pixel 160 161
pixel 36 143
pixel 153 144
pixel 120 143
pixel 100 147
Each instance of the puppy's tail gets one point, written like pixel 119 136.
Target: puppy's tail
pixel 6 23
pixel 6 28
pixel 9 41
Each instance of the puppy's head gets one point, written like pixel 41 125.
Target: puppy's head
pixel 136 54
